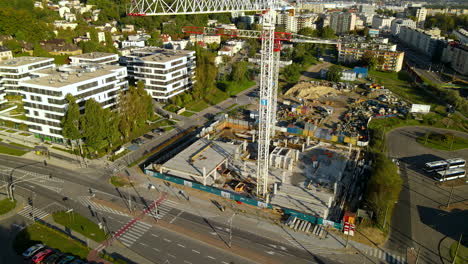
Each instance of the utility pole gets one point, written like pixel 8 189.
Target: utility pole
pixel 450 197
pixel 456 249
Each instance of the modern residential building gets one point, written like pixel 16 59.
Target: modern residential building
pixel 428 42
pixel 351 49
pixel 133 43
pixel 421 14
pixel 382 22
pixel 5 53
pixel 14 70
pixel 64 24
pixel 399 22
pixel 342 22
pixel 165 73
pixel 348 75
pixel 461 34
pixel 367 9
pixel 456 54
pixel 207 39
pixel 294 23
pixel 95 58
pixel 44 96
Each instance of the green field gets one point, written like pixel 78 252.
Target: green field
pixel 119 181
pixel 39 233
pixel 462 254
pixel 25 134
pixel 6 205
pixel 11 151
pixel 80 224
pixel 10 131
pixel 187 114
pixel 19 145
pixel 443 141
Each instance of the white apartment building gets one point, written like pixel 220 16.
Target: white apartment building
pixel 457 55
pixel 95 58
pixel 101 36
pixel 294 23
pixel 461 34
pixel 20 68
pixel 428 42
pixel 421 14
pixel 342 22
pixel 63 24
pixel 133 43
pixel 165 73
pixel 44 96
pixel 5 53
pixel 382 23
pixel 400 22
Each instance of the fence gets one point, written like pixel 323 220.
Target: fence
pixel 240 198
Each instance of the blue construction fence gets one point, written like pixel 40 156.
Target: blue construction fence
pixel 240 198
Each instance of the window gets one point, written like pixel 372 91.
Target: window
pixel 56 101
pixel 36 113
pixel 176 62
pixel 87 86
pixel 55 131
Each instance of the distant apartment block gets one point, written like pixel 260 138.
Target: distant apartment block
pixel 352 49
pixel 428 42
pixel 400 22
pixel 421 14
pixel 382 23
pixel 95 58
pixel 207 39
pixel 15 70
pixel 164 72
pixel 462 35
pixel 64 24
pixel 44 96
pixel 457 55
pixel 294 23
pixel 342 22
pixel 367 9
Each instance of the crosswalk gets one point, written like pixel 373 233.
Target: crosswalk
pixel 163 209
pixel 385 256
pixel 134 233
pixel 30 212
pixel 86 200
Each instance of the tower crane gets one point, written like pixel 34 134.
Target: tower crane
pixel 269 55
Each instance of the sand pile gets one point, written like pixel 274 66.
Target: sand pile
pixel 307 90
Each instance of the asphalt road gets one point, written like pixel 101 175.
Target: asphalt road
pixel 76 185
pixel 418 219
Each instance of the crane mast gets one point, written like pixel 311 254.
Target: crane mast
pixel 268 62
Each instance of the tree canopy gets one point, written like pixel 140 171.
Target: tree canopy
pixel 334 73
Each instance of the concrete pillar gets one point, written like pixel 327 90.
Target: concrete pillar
pixel 283 177
pixel 204 176
pixel 285 143
pixel 244 145
pixel 303 147
pixel 275 188
pixel 308 140
pixel 335 188
pixel 253 137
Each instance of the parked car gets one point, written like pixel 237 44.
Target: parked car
pixel 32 250
pixel 66 260
pixel 41 255
pixel 148 136
pixel 137 141
pixel 52 258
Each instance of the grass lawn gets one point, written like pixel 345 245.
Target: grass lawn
pixel 39 233
pixel 399 84
pixel 11 151
pixel 171 108
pixel 115 157
pixel 19 145
pixel 25 134
pixel 462 254
pixel 11 131
pixel 6 205
pixel 187 114
pixel 119 181
pixel 198 106
pixel 80 224
pixel 166 122
pixel 168 128
pixel 234 87
pixel 1 128
pixel 443 141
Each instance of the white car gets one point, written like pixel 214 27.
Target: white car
pixel 32 250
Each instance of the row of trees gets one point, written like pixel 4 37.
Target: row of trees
pixel 447 22
pixel 102 129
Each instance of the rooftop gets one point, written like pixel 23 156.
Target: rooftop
pixel 66 75
pixel 160 55
pixel 94 55
pixel 20 61
pixel 203 154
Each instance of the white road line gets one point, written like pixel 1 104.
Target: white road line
pixel 128 239
pixel 170 255
pixel 143 244
pixel 144 224
pixel 154 235
pixel 155 249
pixel 175 217
pixel 196 251
pixel 167 240
pixel 224 262
pixel 210 257
pixel 188 262
pixel 180 245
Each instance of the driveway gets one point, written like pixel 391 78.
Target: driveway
pixel 419 219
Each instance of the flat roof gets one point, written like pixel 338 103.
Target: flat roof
pixel 63 76
pixel 155 54
pixel 204 153
pixel 20 61
pixel 94 55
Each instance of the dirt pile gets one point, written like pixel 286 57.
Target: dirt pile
pixel 311 91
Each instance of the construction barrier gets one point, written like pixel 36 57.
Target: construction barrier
pixel 311 218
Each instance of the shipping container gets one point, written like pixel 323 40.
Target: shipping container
pixel 334 138
pixel 347 139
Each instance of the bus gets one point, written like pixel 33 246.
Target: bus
pixel 451 174
pixel 441 165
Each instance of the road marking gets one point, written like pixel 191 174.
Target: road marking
pixel 196 251
pixel 170 255
pixel 154 235
pixel 143 244
pixel 210 257
pixel 224 262
pixel 270 252
pixel 167 240
pixel 110 217
pixel 180 245
pixel 213 233
pixel 175 217
pixel 156 249
pixel 188 262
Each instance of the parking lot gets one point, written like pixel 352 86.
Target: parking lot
pixel 421 219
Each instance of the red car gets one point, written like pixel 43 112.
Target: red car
pixel 41 256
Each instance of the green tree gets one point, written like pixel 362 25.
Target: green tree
pixel 369 60
pixel 93 124
pixel 239 71
pixel 334 73
pixel 291 73
pixel 327 33
pixel 40 51
pixel 307 31
pixel 71 120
